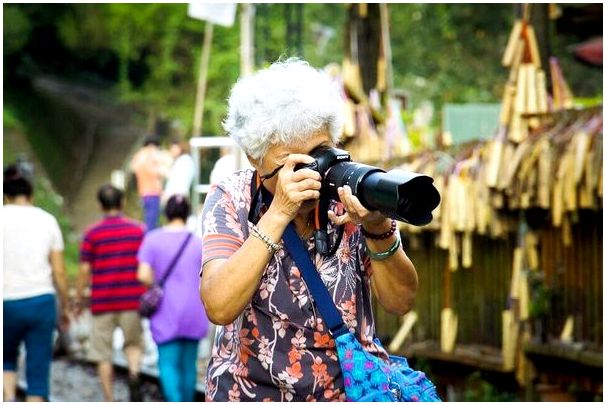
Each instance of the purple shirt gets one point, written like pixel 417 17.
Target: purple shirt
pixel 181 314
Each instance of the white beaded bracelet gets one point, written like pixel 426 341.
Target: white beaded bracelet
pixel 271 246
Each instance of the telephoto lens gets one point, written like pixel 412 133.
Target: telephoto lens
pixel 397 194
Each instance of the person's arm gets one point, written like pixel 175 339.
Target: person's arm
pixel 394 280
pixel 60 277
pixel 82 283
pixel 145 274
pixel 228 285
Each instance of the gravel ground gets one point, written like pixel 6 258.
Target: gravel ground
pixel 77 382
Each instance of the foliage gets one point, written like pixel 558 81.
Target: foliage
pixel 149 53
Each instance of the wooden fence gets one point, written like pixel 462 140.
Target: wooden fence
pixel 572 277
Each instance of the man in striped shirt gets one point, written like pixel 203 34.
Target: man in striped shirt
pixel 108 263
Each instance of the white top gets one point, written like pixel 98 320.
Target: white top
pixel 224 166
pixel 180 177
pixel 30 234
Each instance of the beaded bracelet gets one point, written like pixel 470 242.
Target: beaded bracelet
pixel 385 235
pixel 386 254
pixel 271 246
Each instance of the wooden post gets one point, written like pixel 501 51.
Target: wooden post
pixel 203 71
pixel 246 39
pixel 386 41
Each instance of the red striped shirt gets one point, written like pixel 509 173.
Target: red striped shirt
pixel 110 246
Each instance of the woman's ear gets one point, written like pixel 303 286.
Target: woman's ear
pixel 254 162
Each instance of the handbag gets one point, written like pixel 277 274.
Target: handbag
pixel 366 377
pixel 150 300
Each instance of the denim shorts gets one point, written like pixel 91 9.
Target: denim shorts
pixel 31 321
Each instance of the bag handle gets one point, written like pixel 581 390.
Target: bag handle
pixel 175 259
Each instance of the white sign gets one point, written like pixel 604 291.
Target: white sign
pixel 216 13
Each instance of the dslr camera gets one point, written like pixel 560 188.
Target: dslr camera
pixel 397 194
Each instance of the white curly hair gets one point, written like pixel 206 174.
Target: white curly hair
pixel 283 104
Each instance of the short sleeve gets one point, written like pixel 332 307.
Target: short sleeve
pixel 86 248
pixel 56 237
pixel 146 253
pixel 222 232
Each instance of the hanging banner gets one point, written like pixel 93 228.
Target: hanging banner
pixel 217 13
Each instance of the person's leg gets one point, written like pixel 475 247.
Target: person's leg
pixel 105 369
pixel 189 369
pixel 13 330
pixel 151 208
pixel 39 347
pixel 101 350
pixel 130 323
pixel 168 364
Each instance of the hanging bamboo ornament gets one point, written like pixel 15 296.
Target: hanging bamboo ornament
pixel 533 48
pixel 514 289
pixel 524 296
pixel 542 103
pixel 448 330
pixel 453 253
pixel 514 38
pixel 557 204
pixel 517 60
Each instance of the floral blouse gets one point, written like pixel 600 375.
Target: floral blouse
pixel 279 348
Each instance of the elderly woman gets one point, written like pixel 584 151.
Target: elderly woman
pixel 273 344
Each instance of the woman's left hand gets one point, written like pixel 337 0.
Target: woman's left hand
pixel 372 221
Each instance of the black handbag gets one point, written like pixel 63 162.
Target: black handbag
pixel 150 300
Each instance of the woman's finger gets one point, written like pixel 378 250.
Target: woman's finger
pixel 338 220
pixel 355 203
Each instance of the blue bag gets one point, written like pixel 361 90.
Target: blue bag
pixel 367 378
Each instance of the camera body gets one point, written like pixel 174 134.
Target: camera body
pixel 398 194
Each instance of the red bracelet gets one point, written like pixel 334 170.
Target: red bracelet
pixel 385 235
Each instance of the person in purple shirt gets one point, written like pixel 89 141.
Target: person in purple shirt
pixel 180 321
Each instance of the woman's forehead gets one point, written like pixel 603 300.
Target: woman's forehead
pixel 281 151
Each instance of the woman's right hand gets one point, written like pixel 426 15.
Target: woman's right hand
pixel 293 188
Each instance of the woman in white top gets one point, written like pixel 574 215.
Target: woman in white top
pixel 181 173
pixel 33 257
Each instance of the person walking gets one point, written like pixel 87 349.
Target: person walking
pixel 150 166
pixel 180 321
pixel 108 263
pixel 181 173
pixel 33 258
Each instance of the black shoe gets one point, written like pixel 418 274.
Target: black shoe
pixel 134 387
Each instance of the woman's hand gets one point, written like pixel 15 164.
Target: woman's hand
pixel 371 221
pixel 293 188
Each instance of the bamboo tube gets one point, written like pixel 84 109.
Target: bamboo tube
pixel 582 149
pixel 467 250
pixel 506 109
pixel 508 154
pixel 449 325
pixel 514 289
pixel 517 60
pixel 533 48
pixel 408 322
pixel 494 162
pixel 510 332
pixel 514 37
pixel 570 189
pixel 532 255
pixel 531 95
pixel 520 151
pixel 542 104
pixel 566 335
pixel 524 296
pixel 453 253
pixel 521 89
pixel 444 240
pixel 349 127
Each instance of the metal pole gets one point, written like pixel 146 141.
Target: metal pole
pixel 201 91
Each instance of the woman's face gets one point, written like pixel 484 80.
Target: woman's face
pixel 277 154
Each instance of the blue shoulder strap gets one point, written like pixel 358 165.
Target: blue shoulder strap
pixel 297 251
pixel 316 286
